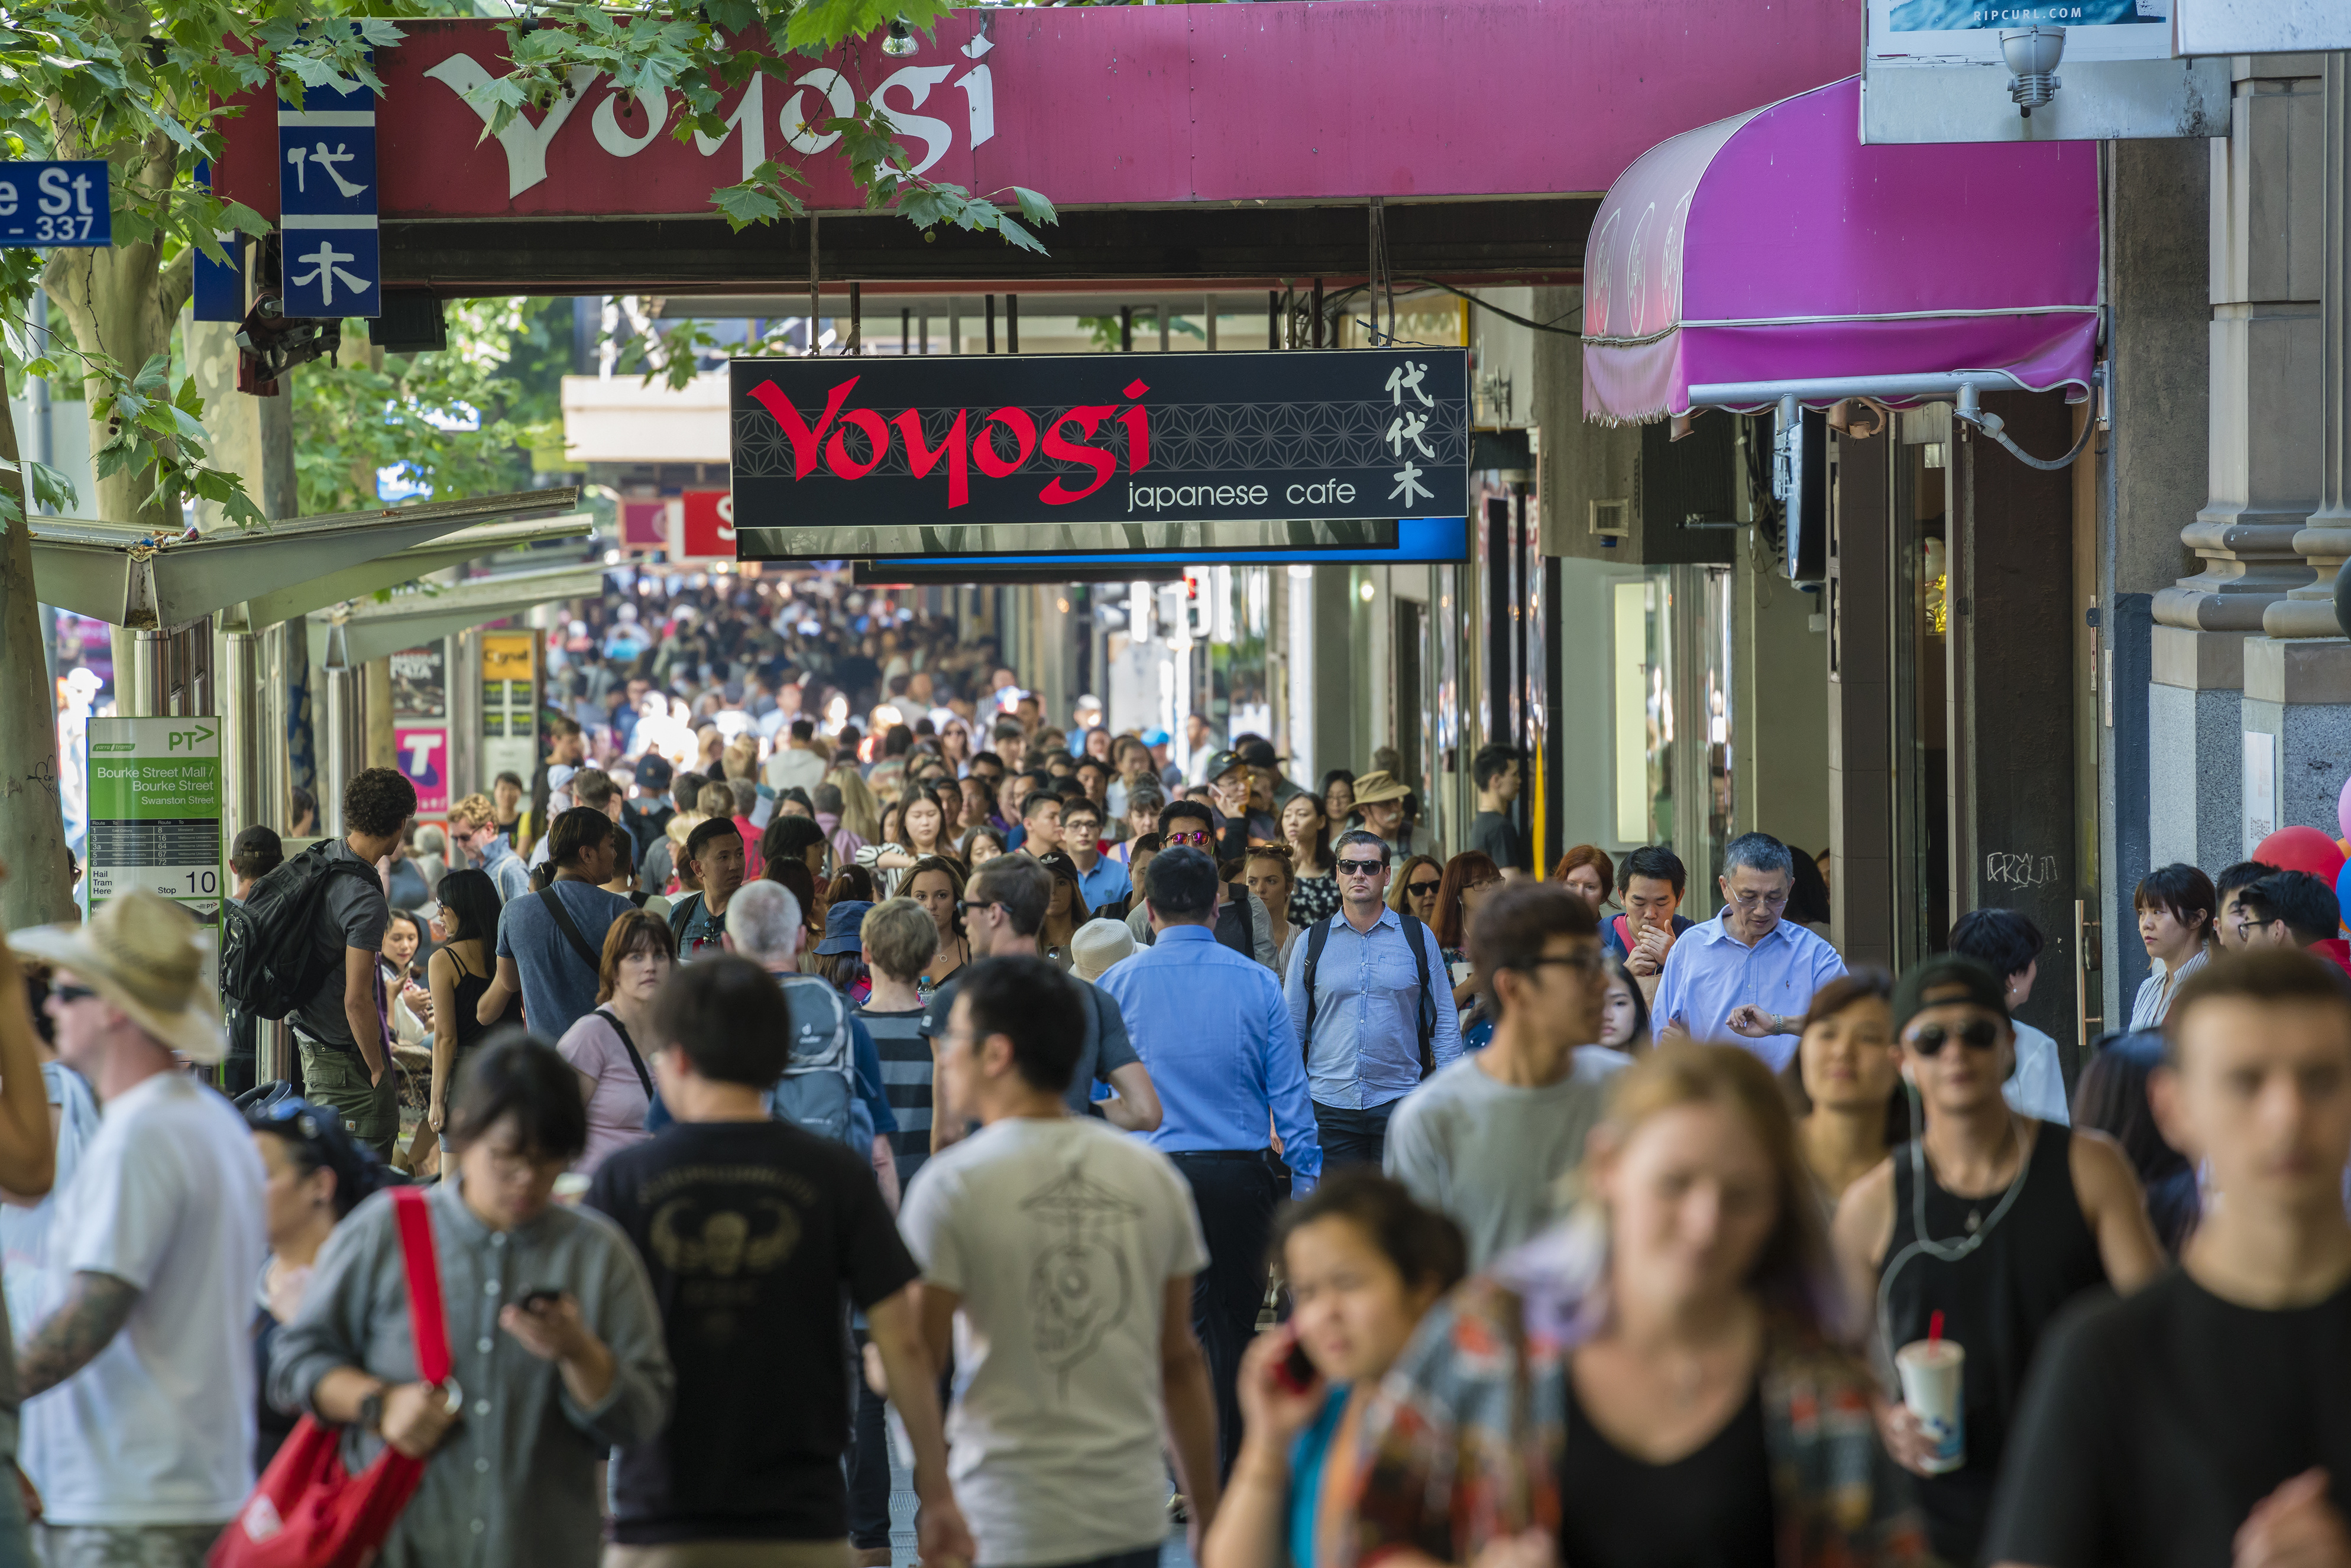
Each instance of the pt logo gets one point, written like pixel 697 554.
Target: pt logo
pixel 186 739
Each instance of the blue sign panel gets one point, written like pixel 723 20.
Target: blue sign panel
pixel 56 203
pixel 327 203
pixel 1417 539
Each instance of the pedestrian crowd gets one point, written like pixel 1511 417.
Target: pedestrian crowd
pixel 1112 1134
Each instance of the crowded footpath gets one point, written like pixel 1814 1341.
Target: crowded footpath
pixel 828 1062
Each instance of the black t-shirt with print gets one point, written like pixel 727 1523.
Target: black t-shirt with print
pixel 751 1231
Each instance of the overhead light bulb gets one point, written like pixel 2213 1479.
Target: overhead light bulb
pixel 900 41
pixel 2032 54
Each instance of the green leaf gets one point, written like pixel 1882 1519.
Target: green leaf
pixel 1034 206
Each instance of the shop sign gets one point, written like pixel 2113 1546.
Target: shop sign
pixel 420 682
pixel 1339 436
pixel 705 527
pixel 155 793
pixel 423 759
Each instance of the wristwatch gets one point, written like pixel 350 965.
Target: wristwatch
pixel 371 1417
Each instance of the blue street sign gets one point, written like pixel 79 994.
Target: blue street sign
pixel 327 203
pixel 56 203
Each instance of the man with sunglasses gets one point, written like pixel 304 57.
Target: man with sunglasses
pixel 473 828
pixel 1240 922
pixel 1747 972
pixel 1003 911
pixel 1367 1002
pixel 1989 1222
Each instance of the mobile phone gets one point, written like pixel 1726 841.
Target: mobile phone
pixel 1295 1371
pixel 533 1300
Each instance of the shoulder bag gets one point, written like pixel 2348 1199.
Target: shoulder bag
pixel 309 1511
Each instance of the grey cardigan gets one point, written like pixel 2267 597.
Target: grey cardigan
pixel 515 1481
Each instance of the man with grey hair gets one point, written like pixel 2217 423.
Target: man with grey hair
pixel 1747 972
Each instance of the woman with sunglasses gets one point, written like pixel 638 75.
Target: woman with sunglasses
pixel 1414 887
pixel 1986 1223
pixel 1468 877
pixel 316 1175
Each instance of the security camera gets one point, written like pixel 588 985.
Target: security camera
pixel 2032 54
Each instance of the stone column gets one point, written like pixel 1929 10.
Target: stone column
pixel 2263 429
pixel 2298 675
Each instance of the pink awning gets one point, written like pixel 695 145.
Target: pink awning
pixel 1774 246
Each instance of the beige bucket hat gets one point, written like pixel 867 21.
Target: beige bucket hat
pixel 142 953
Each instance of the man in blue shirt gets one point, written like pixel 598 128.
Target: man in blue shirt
pixel 1363 1024
pixel 1210 1025
pixel 1100 878
pixel 558 978
pixel 1747 972
pixel 473 828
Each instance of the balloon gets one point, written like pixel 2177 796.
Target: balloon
pixel 2302 849
pixel 2343 809
pixel 2343 887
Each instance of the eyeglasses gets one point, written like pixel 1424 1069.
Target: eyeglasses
pixel 1422 889
pixel 971 905
pixel 1360 868
pixel 1981 1034
pixel 1591 961
pixel 71 993
pixel 1767 900
pixel 1200 838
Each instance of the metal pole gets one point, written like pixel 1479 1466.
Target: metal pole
pixel 856 319
pixel 339 735
pixel 812 276
pixel 905 332
pixel 1273 318
pixel 955 324
pixel 1208 309
pixel 1126 328
pixel 991 323
pixel 1012 323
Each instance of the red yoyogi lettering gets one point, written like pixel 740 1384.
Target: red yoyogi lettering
pixel 805 442
pixel 836 451
pixel 922 458
pixel 1061 449
pixel 983 442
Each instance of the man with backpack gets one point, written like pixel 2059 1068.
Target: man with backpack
pixel 832 1083
pixel 551 943
pixel 714 855
pixel 1240 922
pixel 1004 910
pixel 317 924
pixel 1369 1017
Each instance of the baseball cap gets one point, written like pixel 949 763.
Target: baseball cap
pixel 652 772
pixel 1947 972
pixel 1155 737
pixel 1224 762
pixel 1259 753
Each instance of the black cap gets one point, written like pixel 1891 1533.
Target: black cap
pixel 1258 752
pixel 1222 763
pixel 653 771
pixel 1948 971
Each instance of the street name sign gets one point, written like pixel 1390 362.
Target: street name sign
pixel 60 202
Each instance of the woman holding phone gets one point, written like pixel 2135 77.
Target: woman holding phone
pixel 1364 1263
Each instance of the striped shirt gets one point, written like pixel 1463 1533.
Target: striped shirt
pixel 905 1083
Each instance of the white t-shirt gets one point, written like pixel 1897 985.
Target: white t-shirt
pixel 158 1430
pixel 2037 1087
pixel 1060 1236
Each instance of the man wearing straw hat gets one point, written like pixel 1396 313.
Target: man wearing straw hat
pixel 139 1382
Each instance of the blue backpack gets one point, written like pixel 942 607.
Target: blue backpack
pixel 818 1092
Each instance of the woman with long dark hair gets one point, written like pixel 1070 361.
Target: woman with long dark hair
pixel 459 972
pixel 1468 878
pixel 2111 1098
pixel 1623 1011
pixel 1314 880
pixel 1845 1082
pixel 935 882
pixel 1066 910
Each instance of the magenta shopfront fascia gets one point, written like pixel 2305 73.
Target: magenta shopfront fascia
pixel 1117 106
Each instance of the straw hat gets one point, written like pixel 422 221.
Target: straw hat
pixel 1377 788
pixel 1097 945
pixel 143 954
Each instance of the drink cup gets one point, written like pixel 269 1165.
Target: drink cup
pixel 1931 1387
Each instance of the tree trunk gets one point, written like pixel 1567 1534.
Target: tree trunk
pixel 31 819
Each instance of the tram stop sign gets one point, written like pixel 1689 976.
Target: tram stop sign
pixel 154 794
pixel 866 458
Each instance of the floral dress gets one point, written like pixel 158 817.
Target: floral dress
pixel 1313 898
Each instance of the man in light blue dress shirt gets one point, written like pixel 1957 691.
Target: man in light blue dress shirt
pixel 1363 1041
pixel 1210 1025
pixel 1747 972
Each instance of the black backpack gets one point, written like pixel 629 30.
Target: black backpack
pixel 269 960
pixel 1424 1015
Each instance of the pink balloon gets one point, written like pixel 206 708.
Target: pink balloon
pixel 2302 849
pixel 2343 809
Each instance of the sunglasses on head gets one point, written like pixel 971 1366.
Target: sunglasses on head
pixel 1980 1034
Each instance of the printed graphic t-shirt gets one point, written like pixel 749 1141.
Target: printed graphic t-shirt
pixel 750 1231
pixel 1060 1236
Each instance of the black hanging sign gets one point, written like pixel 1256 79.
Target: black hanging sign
pixel 866 457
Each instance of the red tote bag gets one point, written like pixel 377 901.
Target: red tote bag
pixel 308 1511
